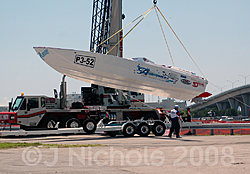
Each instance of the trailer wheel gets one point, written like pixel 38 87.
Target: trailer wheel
pixel 73 123
pixel 49 122
pixel 128 130
pixel 158 128
pixel 89 126
pixel 143 129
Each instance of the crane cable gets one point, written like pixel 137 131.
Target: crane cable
pixel 145 14
pixel 123 28
pixel 191 56
pixel 164 36
pixel 180 41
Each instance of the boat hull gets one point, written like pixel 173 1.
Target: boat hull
pixel 124 74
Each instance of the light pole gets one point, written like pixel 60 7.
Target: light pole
pixel 221 88
pixel 233 83
pixel 245 78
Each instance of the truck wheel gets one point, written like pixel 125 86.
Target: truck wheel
pixel 73 123
pixel 49 122
pixel 64 120
pixel 158 128
pixel 89 126
pixel 128 130
pixel 143 129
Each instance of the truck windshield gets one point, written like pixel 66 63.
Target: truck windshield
pixel 17 103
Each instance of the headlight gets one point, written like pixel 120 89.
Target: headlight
pixel 12 117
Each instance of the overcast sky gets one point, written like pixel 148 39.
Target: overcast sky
pixel 215 32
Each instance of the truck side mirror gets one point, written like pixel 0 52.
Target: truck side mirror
pixel 28 107
pixel 10 104
pixel 55 93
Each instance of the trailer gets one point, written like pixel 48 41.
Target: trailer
pixel 141 127
pixel 128 128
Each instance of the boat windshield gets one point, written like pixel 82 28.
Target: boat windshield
pixel 17 103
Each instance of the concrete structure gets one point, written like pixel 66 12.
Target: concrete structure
pixel 166 104
pixel 230 99
pixel 3 108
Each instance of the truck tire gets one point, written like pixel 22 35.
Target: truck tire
pixel 89 126
pixel 143 129
pixel 158 128
pixel 64 120
pixel 73 123
pixel 49 122
pixel 128 130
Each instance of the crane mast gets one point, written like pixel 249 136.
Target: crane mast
pixel 106 20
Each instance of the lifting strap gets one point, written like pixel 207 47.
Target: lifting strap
pixel 131 29
pixel 164 37
pixel 180 41
pixel 142 16
pixel 123 29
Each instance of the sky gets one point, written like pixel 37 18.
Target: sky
pixel 216 33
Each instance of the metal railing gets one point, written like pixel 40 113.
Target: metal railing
pixel 213 126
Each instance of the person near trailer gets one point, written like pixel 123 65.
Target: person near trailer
pixel 188 115
pixel 175 125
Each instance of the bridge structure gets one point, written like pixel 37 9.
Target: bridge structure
pixel 230 99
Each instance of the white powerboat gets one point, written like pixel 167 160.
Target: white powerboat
pixel 138 74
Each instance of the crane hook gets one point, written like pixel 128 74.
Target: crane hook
pixel 155 2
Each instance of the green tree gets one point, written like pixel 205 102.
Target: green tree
pixel 231 112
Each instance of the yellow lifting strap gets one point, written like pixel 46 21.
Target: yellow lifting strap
pixel 164 36
pixel 180 41
pixel 131 29
pixel 123 29
pixel 142 16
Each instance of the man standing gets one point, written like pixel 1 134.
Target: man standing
pixel 175 116
pixel 188 115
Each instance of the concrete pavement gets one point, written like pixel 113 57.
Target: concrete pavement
pixel 191 154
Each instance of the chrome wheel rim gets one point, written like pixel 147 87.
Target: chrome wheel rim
pixel 159 129
pixel 130 130
pixel 74 124
pixel 144 129
pixel 51 124
pixel 90 126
